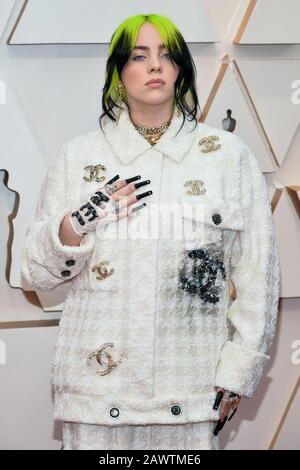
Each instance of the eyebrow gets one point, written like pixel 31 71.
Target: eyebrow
pixel 146 48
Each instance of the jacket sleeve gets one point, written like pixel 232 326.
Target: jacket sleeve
pixel 255 272
pixel 45 262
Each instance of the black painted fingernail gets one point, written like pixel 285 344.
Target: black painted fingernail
pixel 223 422
pixel 232 414
pixel 115 178
pixel 142 183
pixel 218 399
pixel 137 208
pixel 217 427
pixel 134 178
pixel 147 193
pixel 220 425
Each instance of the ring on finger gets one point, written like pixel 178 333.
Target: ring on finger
pixel 110 188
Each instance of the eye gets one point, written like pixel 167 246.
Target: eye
pixel 137 56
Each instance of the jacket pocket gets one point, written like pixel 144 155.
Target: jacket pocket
pixel 205 222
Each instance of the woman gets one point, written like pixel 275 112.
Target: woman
pixel 144 342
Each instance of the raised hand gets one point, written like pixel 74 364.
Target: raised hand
pixel 105 205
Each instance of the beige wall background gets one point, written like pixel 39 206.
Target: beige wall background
pixel 52 62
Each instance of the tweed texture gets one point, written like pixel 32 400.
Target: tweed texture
pixel 163 321
pixel 191 436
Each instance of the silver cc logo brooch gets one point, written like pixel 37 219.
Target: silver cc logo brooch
pixel 209 143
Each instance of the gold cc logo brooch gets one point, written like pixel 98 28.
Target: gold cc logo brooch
pixel 93 173
pixel 104 359
pixel 102 271
pixel 196 187
pixel 209 143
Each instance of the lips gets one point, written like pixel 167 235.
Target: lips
pixel 158 80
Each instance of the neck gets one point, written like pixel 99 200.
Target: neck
pixel 150 117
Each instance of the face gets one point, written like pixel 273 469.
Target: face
pixel 147 63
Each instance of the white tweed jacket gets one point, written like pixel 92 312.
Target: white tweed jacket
pixel 149 326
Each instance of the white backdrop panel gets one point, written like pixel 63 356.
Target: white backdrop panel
pixel 71 21
pixel 5 9
pixel 269 83
pixel 273 22
pixel 230 96
pixel 26 168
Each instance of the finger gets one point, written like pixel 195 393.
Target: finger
pixel 219 425
pixel 110 214
pixel 129 188
pixel 113 185
pixel 233 405
pixel 132 210
pixel 110 188
pixel 134 178
pixel 121 183
pixel 129 210
pixel 224 408
pixel 132 198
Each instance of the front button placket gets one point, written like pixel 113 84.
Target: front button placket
pixel 141 310
pixel 158 271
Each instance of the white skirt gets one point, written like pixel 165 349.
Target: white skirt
pixel 192 436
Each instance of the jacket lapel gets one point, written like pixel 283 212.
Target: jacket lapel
pixel 127 143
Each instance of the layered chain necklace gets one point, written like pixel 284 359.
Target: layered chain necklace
pixel 152 134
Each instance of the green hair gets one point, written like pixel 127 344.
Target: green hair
pixel 122 42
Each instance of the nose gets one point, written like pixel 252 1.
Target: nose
pixel 155 64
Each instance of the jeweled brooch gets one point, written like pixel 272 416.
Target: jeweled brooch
pixel 209 143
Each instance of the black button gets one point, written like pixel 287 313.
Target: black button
pixel 114 412
pixel 70 262
pixel 175 410
pixel 217 219
pixel 66 273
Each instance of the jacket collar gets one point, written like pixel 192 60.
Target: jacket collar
pixel 127 143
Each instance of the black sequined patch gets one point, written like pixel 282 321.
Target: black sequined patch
pixel 98 197
pixel 199 275
pixel 90 211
